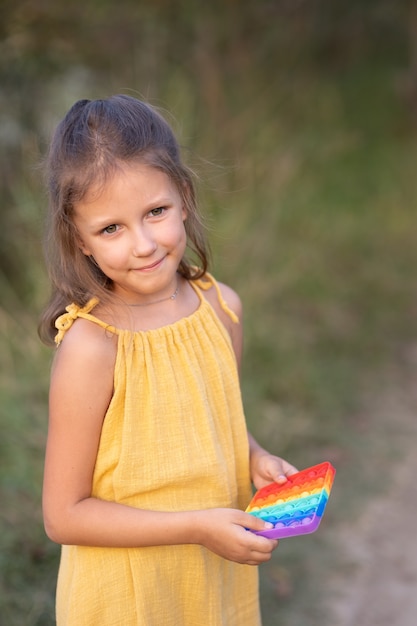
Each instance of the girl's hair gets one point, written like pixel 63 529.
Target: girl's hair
pixel 94 139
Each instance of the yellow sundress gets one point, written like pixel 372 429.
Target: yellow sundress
pixel 173 439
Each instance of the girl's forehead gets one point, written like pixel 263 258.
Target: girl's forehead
pixel 135 174
pixel 144 181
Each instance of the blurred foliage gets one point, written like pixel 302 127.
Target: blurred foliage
pixel 299 116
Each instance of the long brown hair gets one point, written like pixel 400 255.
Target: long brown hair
pixel 94 139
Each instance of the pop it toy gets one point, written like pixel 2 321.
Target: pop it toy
pixel 297 506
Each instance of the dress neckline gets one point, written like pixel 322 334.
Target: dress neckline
pixel 74 311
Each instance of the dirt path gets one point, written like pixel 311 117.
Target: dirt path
pixel 379 586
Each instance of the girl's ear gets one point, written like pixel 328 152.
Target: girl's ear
pixel 186 194
pixel 82 247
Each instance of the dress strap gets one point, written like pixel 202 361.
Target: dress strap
pixel 73 311
pixel 205 283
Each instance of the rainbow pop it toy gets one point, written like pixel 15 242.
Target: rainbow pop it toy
pixel 297 506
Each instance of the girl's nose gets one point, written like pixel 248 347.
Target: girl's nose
pixel 143 243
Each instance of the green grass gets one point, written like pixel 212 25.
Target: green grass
pixel 27 559
pixel 325 260
pixel 312 215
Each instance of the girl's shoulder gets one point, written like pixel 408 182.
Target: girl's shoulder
pixel 89 344
pixel 228 307
pixel 219 294
pixel 231 298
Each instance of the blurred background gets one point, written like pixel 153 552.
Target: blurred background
pixel 300 118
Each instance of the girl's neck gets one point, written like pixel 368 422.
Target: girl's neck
pixel 173 296
pixel 143 316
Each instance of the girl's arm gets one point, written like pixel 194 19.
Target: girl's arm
pixel 265 467
pixel 80 392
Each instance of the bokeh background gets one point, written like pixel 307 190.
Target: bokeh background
pixel 299 117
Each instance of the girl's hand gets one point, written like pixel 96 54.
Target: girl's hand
pixel 267 468
pixel 224 532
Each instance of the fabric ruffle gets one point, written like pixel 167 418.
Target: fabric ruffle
pixel 66 320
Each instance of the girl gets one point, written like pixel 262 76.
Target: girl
pixel 148 461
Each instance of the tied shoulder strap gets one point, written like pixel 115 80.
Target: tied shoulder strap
pixel 73 311
pixel 205 283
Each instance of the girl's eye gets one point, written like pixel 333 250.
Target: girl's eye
pixel 157 212
pixel 109 230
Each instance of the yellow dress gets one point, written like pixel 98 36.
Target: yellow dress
pixel 173 439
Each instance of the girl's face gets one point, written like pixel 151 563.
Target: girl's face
pixel 134 229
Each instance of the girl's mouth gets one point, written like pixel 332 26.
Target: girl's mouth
pixel 152 266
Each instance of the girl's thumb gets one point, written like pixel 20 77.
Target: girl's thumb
pixel 256 523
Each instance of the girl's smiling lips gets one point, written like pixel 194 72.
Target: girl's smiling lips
pixel 150 267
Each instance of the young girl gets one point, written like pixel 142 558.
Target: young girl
pixel 148 462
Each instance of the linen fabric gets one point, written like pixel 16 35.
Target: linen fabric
pixel 173 439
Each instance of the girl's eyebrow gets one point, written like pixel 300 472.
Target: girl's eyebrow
pixel 103 221
pixel 157 202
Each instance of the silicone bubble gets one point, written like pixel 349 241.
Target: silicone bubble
pixel 297 506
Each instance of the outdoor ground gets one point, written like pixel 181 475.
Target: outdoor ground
pixel 360 567
pixel 380 546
